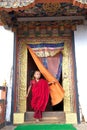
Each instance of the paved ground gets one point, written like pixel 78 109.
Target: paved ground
pixel 82 126
pixel 8 128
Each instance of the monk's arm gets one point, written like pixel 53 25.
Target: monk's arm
pixel 53 82
pixel 29 88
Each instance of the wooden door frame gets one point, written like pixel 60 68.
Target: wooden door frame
pixel 67 74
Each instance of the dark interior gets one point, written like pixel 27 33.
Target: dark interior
pixel 31 68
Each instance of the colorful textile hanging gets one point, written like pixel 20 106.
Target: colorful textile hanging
pixel 44 61
pixel 50 65
pixel 56 90
pixel 58 75
pixel 47 49
pixel 51 56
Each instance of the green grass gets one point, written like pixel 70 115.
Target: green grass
pixel 45 127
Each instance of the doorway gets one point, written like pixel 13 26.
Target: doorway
pixel 31 67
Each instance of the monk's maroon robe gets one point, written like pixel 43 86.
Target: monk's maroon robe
pixel 40 94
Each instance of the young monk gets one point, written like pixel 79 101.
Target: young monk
pixel 40 94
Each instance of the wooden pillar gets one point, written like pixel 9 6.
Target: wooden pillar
pixel 66 79
pixel 68 83
pixel 21 79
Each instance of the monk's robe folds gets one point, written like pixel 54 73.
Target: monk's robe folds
pixel 40 94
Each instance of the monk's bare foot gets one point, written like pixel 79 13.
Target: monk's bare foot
pixel 37 120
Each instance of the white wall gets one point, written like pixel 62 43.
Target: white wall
pixel 81 64
pixel 6 54
pixel 6 63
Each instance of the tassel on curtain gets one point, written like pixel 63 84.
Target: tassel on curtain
pixel 56 90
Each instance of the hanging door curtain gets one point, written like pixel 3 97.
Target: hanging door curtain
pixel 51 56
pixel 56 90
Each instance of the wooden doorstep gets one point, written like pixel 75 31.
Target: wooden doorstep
pixel 48 117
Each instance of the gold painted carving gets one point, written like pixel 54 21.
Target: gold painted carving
pixel 51 8
pixel 22 77
pixel 67 78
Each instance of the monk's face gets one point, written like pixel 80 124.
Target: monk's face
pixel 37 75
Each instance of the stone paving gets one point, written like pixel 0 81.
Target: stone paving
pixel 8 128
pixel 82 126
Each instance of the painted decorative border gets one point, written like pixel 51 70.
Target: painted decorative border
pixel 22 4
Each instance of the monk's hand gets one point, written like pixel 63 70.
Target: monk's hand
pixel 53 82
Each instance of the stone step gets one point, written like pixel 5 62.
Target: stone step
pixel 48 117
pixel 44 122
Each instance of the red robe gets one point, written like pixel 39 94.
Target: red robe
pixel 40 94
